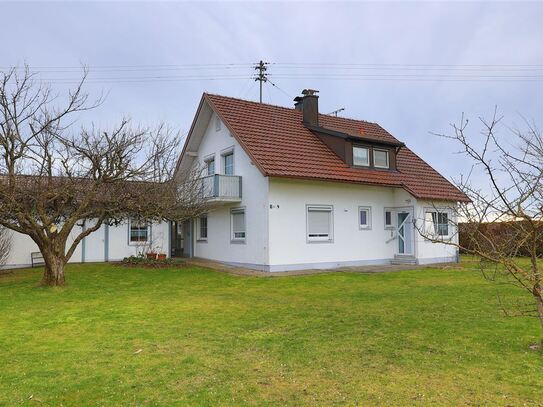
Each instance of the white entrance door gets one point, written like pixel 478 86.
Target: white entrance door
pixel 405 232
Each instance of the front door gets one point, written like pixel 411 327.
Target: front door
pixel 405 232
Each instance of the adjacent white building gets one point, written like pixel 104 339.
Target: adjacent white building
pixel 291 189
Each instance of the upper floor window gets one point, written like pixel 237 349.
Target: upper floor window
pixel 210 166
pixel 228 162
pixel 380 158
pixel 361 156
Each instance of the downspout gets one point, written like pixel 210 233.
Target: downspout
pixel 106 242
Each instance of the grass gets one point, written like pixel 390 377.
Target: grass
pixel 137 337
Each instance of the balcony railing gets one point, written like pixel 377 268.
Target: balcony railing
pixel 222 187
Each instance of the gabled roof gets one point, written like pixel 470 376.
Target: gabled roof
pixel 281 146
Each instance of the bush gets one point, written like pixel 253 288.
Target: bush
pixel 142 260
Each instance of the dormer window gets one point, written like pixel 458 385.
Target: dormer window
pixel 380 158
pixel 361 156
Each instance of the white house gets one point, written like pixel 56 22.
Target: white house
pixel 290 189
pixel 294 189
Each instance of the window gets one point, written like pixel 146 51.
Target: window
pixel 202 227
pixel 238 225
pixel 361 156
pixel 217 123
pixel 228 160
pixel 364 217
pixel 319 223
pixel 210 166
pixel 380 158
pixel 138 232
pixel 388 219
pixel 437 223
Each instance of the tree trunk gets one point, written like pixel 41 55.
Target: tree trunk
pixel 53 274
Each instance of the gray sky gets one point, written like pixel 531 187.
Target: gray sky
pixel 141 40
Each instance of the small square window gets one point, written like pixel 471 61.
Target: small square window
pixel 364 217
pixel 361 156
pixel 380 158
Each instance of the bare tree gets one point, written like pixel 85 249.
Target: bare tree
pixel 503 223
pixel 55 176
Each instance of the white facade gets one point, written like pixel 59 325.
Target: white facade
pixel 276 213
pixel 275 224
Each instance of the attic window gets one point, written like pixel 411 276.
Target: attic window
pixel 217 123
pixel 380 158
pixel 361 156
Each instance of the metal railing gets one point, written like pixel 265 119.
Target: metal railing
pixel 222 186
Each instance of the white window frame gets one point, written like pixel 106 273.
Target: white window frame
pixel 431 227
pixel 367 209
pixel 139 242
pixel 224 154
pixel 369 152
pixel 233 238
pixel 207 160
pixel 320 239
pixel 391 224
pixel 201 238
pixel 387 154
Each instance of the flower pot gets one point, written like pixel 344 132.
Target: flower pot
pixel 151 256
pixel 161 257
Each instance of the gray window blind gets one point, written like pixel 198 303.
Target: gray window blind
pixel 238 224
pixel 319 222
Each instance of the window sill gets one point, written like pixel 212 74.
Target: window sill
pixel 237 241
pixel 311 241
pixel 364 227
pixel 201 240
pixel 138 243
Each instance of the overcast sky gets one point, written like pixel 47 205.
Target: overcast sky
pixel 361 56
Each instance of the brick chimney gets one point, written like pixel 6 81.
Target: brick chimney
pixel 308 104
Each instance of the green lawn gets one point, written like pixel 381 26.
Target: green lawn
pixel 420 337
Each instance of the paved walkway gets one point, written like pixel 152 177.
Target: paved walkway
pixel 241 271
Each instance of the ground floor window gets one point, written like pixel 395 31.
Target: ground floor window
pixel 202 227
pixel 388 219
pixel 319 223
pixel 237 221
pixel 364 217
pixel 139 231
pixel 437 223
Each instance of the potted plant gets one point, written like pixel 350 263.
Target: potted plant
pixel 161 257
pixel 151 255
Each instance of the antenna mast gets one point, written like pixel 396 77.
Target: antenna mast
pixel 261 76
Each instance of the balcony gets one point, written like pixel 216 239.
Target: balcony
pixel 222 188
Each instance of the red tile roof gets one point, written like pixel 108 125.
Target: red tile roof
pixel 281 146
